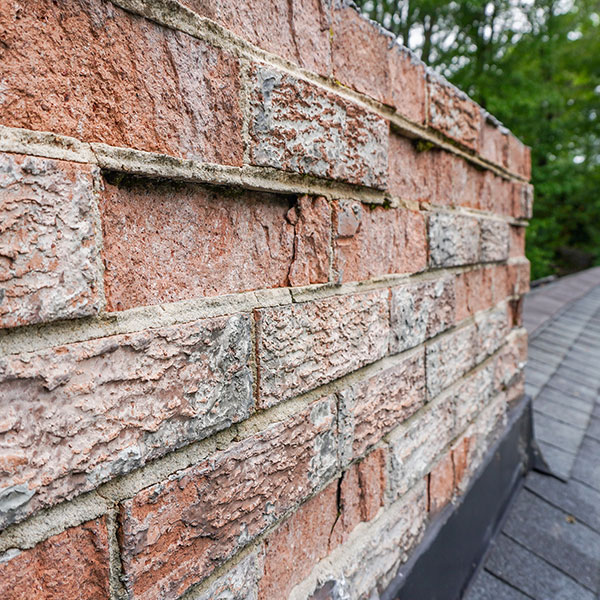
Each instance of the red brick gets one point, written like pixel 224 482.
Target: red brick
pixel 372 408
pixel 88 69
pixel 441 483
pixel 460 456
pixel 409 85
pixel 519 157
pixel 410 171
pixel 299 544
pixel 519 277
pixel 294 29
pixel 166 242
pixel 300 127
pixel 452 112
pixel 522 206
pixel 493 143
pixel 106 406
pixel 311 218
pixel 49 255
pixel 72 564
pixel 517 241
pixel 374 241
pixel 495 193
pixel 455 180
pixel 362 488
pixel 302 346
pixel 511 360
pixel 474 292
pixel 360 54
pixel 174 534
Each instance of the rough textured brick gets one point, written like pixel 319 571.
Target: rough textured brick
pixel 414 445
pixel 511 360
pixel 474 291
pixel 361 494
pixel 471 395
pixel 410 171
pixel 408 82
pixel 519 276
pixel 370 558
pixel 495 193
pixel 517 241
pixel 166 242
pixel 299 127
pixel 49 259
pixel 72 564
pixel 493 141
pixel 451 356
pixel 494 240
pixel 124 81
pixel 460 454
pixel 421 310
pixel 297 30
pixel 106 406
pixel 519 157
pixel 360 53
pixel 373 407
pixel 441 483
pixel 453 240
pixel 301 542
pixel 376 241
pixel 452 112
pixel 240 583
pixel 522 201
pixel 311 218
pixel 302 346
pixel 174 534
pixel 456 181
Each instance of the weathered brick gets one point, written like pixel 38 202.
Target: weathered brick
pixel 421 310
pixel 453 240
pixel 518 157
pixel 300 543
pixel 174 534
pixel 302 346
pixel 372 554
pixel 522 201
pixel 124 81
pixel 297 30
pixel 494 240
pixel 517 241
pixel 452 112
pixel 361 493
pixel 441 483
pixel 410 171
pixel 455 180
pixel 240 583
pixel 479 437
pixel 373 407
pixel 493 141
pixel 311 218
pixel 166 242
pixel 376 241
pixel 297 126
pixel 511 360
pixel 451 356
pixel 460 454
pixel 360 50
pixel 519 276
pixel 49 257
pixel 408 83
pixel 415 445
pixel 474 291
pixel 72 564
pixel 471 395
pixel 495 193
pixel 106 406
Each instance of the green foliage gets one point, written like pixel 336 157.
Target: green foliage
pixel 534 64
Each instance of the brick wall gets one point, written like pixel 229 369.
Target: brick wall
pixel 261 273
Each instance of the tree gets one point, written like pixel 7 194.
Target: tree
pixel 534 64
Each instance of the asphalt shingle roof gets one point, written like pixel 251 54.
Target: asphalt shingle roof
pixel 549 546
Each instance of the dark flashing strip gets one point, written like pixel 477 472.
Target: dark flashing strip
pixel 457 540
